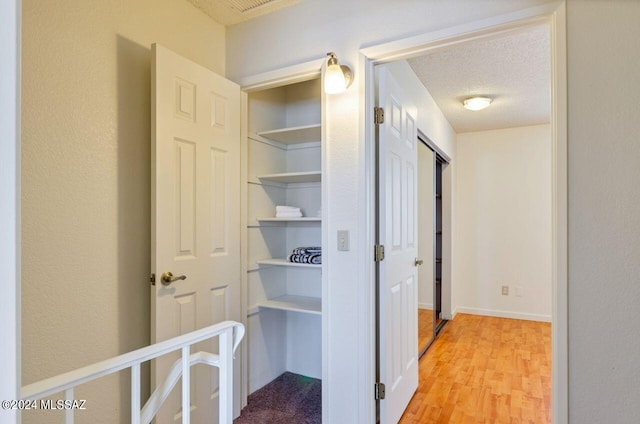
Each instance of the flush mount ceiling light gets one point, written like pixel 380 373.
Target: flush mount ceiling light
pixel 477 103
pixel 337 78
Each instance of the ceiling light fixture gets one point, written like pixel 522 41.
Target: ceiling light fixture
pixel 477 103
pixel 337 78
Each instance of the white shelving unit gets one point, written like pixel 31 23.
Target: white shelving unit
pixel 284 164
pixel 284 262
pixel 302 219
pixel 293 177
pixel 294 135
pixel 303 304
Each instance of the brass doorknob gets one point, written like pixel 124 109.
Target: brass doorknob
pixel 167 278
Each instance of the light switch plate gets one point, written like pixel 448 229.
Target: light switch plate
pixel 343 240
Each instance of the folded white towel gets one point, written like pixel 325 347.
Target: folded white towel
pixel 286 208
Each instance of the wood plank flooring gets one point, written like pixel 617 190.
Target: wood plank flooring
pixel 485 370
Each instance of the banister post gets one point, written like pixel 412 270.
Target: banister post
pixel 186 384
pixel 226 376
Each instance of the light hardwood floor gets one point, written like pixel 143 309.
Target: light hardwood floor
pixel 485 370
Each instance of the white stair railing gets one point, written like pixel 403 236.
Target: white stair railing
pixel 229 333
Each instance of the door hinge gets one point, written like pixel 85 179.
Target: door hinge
pixel 378 115
pixel 378 252
pixel 152 279
pixel 380 391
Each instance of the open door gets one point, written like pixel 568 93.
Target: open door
pixel 397 232
pixel 195 219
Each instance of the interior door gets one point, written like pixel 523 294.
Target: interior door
pixel 195 218
pixel 398 291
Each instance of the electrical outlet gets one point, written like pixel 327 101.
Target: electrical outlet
pixel 505 290
pixel 518 291
pixel 343 240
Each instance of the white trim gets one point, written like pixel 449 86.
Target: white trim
pixel 450 317
pixel 560 227
pixel 433 146
pixel 244 248
pixel 290 75
pixel 492 27
pixel 367 207
pixel 553 14
pixel 503 314
pixel 326 347
pixel 10 15
pixel 428 306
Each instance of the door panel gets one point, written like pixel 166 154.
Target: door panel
pixel 195 219
pixel 426 237
pixel 398 331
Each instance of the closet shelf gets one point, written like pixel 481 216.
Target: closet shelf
pixel 302 219
pixel 284 262
pixel 304 304
pixel 293 177
pixel 294 135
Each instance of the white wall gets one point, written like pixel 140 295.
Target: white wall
pixel 503 222
pixel 307 31
pixel 604 205
pixel 86 181
pixel 10 205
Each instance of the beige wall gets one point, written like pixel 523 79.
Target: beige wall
pixel 85 181
pixel 503 222
pixel 604 210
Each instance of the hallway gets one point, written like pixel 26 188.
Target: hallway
pixel 485 370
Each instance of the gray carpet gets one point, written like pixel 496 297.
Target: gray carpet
pixel 289 399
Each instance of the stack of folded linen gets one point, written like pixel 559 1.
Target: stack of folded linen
pixel 288 212
pixel 306 255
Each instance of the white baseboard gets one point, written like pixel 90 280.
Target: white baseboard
pixel 450 316
pixel 502 314
pixel 428 306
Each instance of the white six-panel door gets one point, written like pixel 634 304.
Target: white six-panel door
pixel 195 217
pixel 398 233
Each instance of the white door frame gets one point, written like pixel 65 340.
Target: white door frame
pixel 553 14
pixel 10 18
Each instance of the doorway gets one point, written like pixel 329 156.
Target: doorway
pixel 554 16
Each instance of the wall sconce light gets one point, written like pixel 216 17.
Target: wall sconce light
pixel 337 78
pixel 477 103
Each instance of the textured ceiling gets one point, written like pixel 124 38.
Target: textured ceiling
pixel 229 12
pixel 514 70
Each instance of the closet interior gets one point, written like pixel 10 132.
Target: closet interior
pixel 430 248
pixel 439 163
pixel 284 213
